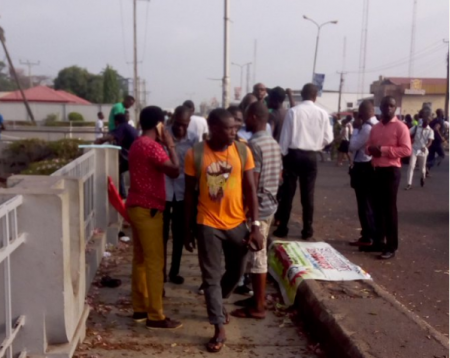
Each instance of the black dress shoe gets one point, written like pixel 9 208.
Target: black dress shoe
pixel 386 255
pixel 178 280
pixel 281 232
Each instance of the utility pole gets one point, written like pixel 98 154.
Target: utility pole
pixel 446 92
pixel 248 77
pixel 254 61
pixel 30 64
pixel 135 65
pixel 341 82
pixel 13 70
pixel 226 57
pixel 413 42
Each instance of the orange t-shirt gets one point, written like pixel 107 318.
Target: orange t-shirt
pixel 220 201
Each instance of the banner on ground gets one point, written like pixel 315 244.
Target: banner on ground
pixel 291 262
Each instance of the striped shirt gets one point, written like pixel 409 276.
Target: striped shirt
pixel 267 156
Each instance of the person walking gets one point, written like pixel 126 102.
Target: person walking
pixel 222 170
pixel 145 205
pixel 99 125
pixel 198 124
pixel 345 135
pixel 362 174
pixel 267 157
pixel 421 136
pixel 175 210
pixel 119 108
pixel 306 130
pixel 389 141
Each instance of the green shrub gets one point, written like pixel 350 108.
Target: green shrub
pixel 20 123
pixel 45 167
pixel 66 149
pixel 70 124
pixel 75 117
pixel 52 117
pixel 33 149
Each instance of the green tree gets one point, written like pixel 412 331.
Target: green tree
pixel 95 89
pixel 73 79
pixel 6 82
pixel 111 89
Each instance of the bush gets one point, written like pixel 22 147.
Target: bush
pixel 51 118
pixel 66 148
pixel 45 167
pixel 70 124
pixel 33 149
pixel 20 123
pixel 75 117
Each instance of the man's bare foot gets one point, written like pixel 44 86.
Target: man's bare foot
pixel 216 343
pixel 248 312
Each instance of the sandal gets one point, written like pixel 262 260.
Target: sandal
pixel 246 313
pixel 215 344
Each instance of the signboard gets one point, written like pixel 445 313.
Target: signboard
pixel 237 93
pixel 415 87
pixel 318 80
pixel 291 262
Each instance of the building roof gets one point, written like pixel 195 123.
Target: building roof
pixel 425 81
pixel 44 94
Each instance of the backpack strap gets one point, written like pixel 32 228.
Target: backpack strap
pixel 242 150
pixel 199 150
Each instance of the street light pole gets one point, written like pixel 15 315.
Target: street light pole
pixel 242 72
pixel 226 58
pixel 319 27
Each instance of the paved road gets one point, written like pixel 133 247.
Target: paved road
pixel 418 276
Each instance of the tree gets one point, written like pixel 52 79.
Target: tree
pixel 6 82
pixel 111 89
pixel 95 89
pixel 73 79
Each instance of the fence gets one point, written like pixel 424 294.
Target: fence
pixel 54 230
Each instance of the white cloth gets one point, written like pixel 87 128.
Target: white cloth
pixel 421 163
pixel 131 123
pixel 421 137
pixel 99 128
pixel 359 140
pixel 199 126
pixel 306 127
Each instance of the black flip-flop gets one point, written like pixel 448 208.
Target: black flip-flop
pixel 215 344
pixel 108 281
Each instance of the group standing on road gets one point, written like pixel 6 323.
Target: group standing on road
pixel 221 183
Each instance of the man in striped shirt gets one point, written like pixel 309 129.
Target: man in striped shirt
pixel 267 157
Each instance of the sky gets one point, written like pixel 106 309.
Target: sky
pixel 180 42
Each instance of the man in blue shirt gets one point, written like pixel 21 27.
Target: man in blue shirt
pixel 174 211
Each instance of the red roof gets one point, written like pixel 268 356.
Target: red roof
pixel 425 81
pixel 44 94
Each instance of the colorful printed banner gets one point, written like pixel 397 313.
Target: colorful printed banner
pixel 291 262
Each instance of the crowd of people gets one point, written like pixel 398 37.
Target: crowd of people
pixel 220 183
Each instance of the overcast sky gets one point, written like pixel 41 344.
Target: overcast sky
pixel 181 41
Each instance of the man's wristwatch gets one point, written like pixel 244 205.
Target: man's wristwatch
pixel 256 223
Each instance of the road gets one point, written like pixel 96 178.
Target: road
pixel 418 275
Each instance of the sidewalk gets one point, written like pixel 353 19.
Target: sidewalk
pixel 112 333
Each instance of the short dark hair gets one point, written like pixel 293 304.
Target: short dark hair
pixel 189 104
pixel 128 98
pixel 366 104
pixel 387 98
pixel 181 110
pixel 150 116
pixel 277 94
pixel 120 118
pixel 234 109
pixel 259 110
pixel 100 113
pixel 309 91
pixel 216 116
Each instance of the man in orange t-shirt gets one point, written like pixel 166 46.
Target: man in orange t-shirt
pixel 221 217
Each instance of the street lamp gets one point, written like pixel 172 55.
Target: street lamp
pixel 317 39
pixel 242 69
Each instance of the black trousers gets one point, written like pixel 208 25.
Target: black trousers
pixel 362 180
pixel 174 214
pixel 435 149
pixel 387 181
pixel 301 165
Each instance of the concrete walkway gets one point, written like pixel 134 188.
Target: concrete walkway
pixel 112 333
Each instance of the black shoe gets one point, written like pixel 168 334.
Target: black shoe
pixel 422 182
pixel 361 242
pixel 386 255
pixel 408 187
pixel 372 248
pixel 164 324
pixel 139 316
pixel 178 280
pixel 281 232
pixel 243 290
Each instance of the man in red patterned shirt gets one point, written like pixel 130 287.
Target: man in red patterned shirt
pixel 148 163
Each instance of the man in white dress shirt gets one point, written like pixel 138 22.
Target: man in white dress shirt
pixel 362 176
pixel 306 131
pixel 197 125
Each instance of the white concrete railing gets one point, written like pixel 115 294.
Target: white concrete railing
pixel 56 231
pixel 11 240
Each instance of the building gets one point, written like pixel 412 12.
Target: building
pixel 410 93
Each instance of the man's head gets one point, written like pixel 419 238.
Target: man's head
pixel 259 91
pixel 222 127
pixel 388 106
pixel 238 116
pixel 181 119
pixel 426 116
pixel 128 101
pixel 190 105
pixel 408 118
pixel 120 119
pixel 247 101
pixel 439 113
pixel 100 116
pixel 256 117
pixel 309 92
pixel 366 110
pixel 150 117
pixel 277 96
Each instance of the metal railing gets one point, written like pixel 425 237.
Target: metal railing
pixel 84 168
pixel 11 240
